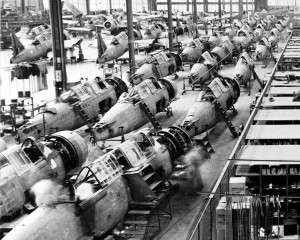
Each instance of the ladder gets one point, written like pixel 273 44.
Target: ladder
pixel 202 139
pixel 224 116
pixel 83 114
pixel 150 116
pixel 138 220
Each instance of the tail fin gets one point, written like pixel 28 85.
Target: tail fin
pixel 16 45
pixel 101 45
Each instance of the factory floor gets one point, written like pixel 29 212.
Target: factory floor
pixel 186 203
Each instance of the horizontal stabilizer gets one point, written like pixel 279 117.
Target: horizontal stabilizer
pixel 17 46
pixel 101 45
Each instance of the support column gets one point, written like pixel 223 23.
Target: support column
pixel 205 7
pixel 195 16
pixel 231 20
pixel 187 5
pixel 60 74
pixel 170 25
pixel 240 9
pixel 220 9
pixel 42 5
pixel 110 6
pixel 154 5
pixel 88 9
pixel 247 10
pixel 130 36
pixel 22 6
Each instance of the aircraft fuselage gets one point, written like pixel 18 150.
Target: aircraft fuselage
pixel 33 52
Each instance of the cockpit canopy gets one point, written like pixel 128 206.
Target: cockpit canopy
pixel 264 41
pixel 159 57
pixel 82 91
pixel 141 91
pixel 245 56
pixel 119 38
pixel 112 165
pixel 194 43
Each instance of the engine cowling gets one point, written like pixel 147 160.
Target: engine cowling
pixel 171 87
pixel 72 148
pixel 2 145
pixel 137 34
pixel 176 140
pixel 118 84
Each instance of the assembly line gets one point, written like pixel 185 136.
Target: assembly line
pixel 152 135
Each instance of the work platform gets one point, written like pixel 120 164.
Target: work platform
pixel 277 115
pixel 266 155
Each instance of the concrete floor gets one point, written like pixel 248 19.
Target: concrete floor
pixel 185 207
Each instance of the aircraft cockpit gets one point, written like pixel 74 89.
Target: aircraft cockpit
pixel 152 29
pixel 134 96
pixel 264 41
pixel 159 57
pixel 33 149
pixel 207 95
pixel 110 167
pixel 194 43
pixel 38 30
pixel 81 91
pixel 42 38
pixel 119 38
pixel 241 33
pixel 216 34
pixel 245 58
pixel 131 97
pixel 145 141
pixel 147 32
pixel 218 86
pixel 23 158
pixel 207 58
pixel 115 42
pixel 200 97
pixel 98 175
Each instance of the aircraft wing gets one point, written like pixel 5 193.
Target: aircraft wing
pixel 70 22
pixel 79 29
pixel 143 42
pixel 227 16
pixel 72 42
pixel 210 18
pixel 152 17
